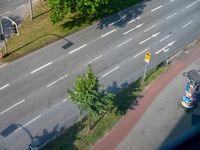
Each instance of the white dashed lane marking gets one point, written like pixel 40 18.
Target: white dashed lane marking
pixel 28 123
pixel 156 8
pixel 124 42
pixel 187 24
pixel 190 5
pixel 93 60
pixel 71 52
pixel 3 87
pixel 110 71
pixel 108 33
pixel 12 106
pixel 153 26
pixel 41 67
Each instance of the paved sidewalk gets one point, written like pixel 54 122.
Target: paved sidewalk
pixel 159 116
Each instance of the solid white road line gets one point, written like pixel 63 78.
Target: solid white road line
pixel 28 123
pixel 187 24
pixel 95 59
pixel 138 26
pixel 61 78
pixel 20 7
pixel 108 33
pixel 124 42
pixel 154 35
pixel 156 8
pixel 110 71
pixel 150 28
pixel 1 88
pixel 190 5
pixel 84 45
pixel 41 67
pixel 133 20
pixel 141 53
pixel 166 48
pixel 165 37
pixel 174 14
pixel 12 106
pixel 3 65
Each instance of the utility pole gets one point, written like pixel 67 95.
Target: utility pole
pixel 31 10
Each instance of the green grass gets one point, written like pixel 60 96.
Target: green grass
pixel 80 138
pixel 39 32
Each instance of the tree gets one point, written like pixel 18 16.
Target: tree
pixel 84 7
pixel 88 96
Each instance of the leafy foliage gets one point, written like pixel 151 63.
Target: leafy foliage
pixel 88 96
pixel 85 7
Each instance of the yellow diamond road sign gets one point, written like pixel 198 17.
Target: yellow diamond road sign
pixel 147 57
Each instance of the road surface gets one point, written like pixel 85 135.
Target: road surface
pixel 33 100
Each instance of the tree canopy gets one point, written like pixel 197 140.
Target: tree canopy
pixel 88 96
pixel 61 7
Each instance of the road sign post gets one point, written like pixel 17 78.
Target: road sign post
pixel 147 60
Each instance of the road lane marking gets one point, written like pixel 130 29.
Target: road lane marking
pixel 150 28
pixel 28 123
pixel 156 8
pixel 187 24
pixel 174 14
pixel 154 35
pixel 124 42
pixel 12 106
pixel 5 13
pixel 64 100
pixel 84 45
pixel 172 0
pixel 190 5
pixel 110 71
pixel 138 26
pixel 165 37
pixel 7 85
pixel 41 67
pixel 20 6
pixel 166 48
pixel 56 81
pixel 3 65
pixel 108 33
pixel 133 20
pixel 95 59
pixel 141 53
pixel 117 21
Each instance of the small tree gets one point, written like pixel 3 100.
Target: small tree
pixel 88 96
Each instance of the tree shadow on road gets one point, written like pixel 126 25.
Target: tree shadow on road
pixel 127 95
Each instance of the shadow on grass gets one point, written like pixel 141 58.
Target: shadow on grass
pixel 67 139
pixel 67 45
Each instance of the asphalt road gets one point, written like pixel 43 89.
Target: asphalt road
pixel 33 104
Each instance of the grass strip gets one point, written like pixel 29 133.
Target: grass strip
pixel 79 137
